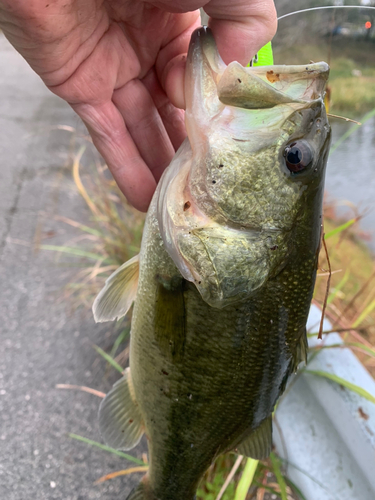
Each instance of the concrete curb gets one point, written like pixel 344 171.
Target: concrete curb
pixel 328 430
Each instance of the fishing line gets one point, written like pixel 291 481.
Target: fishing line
pixel 326 7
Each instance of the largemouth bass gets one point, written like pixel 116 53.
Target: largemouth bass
pixel 223 283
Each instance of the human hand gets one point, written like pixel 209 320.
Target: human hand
pixel 120 65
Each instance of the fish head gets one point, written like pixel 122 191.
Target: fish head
pixel 250 177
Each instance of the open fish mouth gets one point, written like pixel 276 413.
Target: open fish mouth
pixel 261 86
pixel 267 86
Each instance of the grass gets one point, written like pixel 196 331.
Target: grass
pixel 351 301
pixel 107 448
pixel 112 238
pixel 352 75
pixel 352 95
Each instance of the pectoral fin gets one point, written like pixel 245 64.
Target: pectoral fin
pixel 259 444
pixel 119 292
pixel 120 420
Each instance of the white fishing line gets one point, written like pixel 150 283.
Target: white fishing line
pixel 325 7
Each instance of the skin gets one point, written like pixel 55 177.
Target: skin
pixel 120 65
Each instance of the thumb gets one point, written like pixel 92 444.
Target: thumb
pixel 241 28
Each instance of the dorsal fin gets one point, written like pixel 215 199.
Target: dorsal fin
pixel 119 292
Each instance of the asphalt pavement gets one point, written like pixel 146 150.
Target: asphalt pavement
pixel 45 341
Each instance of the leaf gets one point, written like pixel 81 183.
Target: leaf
pixel 359 345
pixel 107 448
pixel 345 383
pixel 246 479
pixel 367 310
pixel 295 488
pixel 368 350
pixel 338 287
pixel 121 337
pixel 229 477
pixel 108 358
pixel 310 477
pixel 80 226
pixel 279 475
pixel 341 228
pixel 74 251
pixel 81 388
pixel 78 182
pixel 125 472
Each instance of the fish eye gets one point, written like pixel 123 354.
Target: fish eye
pixel 298 156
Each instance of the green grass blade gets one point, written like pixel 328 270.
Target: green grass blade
pixel 345 383
pixel 294 487
pixel 108 358
pixel 337 288
pixel 107 448
pixel 366 312
pixel 246 479
pixel 363 347
pixel 331 493
pixel 82 227
pixel 279 475
pixel 74 251
pixel 368 350
pixel 90 230
pixel 341 228
pixel 121 337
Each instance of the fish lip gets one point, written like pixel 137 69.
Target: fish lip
pixel 318 73
pixel 267 86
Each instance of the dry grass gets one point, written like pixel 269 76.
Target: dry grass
pixel 114 234
pixel 351 302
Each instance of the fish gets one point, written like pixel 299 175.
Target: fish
pixel 224 279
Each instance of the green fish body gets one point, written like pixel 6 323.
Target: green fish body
pixel 226 272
